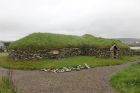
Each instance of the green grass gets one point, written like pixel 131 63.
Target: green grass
pixel 127 80
pixel 48 40
pixel 65 62
pixel 6 86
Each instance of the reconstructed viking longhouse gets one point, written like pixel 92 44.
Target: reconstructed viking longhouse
pixel 55 46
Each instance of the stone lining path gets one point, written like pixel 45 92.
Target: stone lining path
pixel 95 80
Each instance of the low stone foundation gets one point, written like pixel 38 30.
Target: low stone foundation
pixel 44 53
pixel 126 52
pixel 64 52
pixel 136 52
pixel 98 52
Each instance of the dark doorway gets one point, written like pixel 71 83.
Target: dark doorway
pixel 114 51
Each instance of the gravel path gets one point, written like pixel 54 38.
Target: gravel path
pixel 95 80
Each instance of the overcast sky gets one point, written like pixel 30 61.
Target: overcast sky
pixel 104 18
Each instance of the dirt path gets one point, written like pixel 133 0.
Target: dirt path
pixel 94 80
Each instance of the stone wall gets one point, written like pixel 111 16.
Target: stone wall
pixel 64 52
pixel 98 52
pixel 44 53
pixel 2 49
pixel 135 52
pixel 126 52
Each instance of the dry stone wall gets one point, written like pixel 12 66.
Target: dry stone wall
pixel 126 52
pixel 98 52
pixel 44 53
pixel 64 52
pixel 136 52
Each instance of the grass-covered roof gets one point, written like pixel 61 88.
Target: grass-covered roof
pixel 48 40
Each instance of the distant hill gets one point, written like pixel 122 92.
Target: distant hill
pixel 130 41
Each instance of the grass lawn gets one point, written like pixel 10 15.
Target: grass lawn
pixel 6 86
pixel 127 80
pixel 66 62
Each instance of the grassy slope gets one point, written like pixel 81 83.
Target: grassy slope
pixel 48 40
pixel 66 62
pixel 127 80
pixel 6 86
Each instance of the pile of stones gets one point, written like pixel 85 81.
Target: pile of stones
pixel 67 69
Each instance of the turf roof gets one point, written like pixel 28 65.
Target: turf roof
pixel 49 40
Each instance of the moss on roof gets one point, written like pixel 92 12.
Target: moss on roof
pixel 49 40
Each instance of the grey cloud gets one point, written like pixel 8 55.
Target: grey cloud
pixel 104 18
